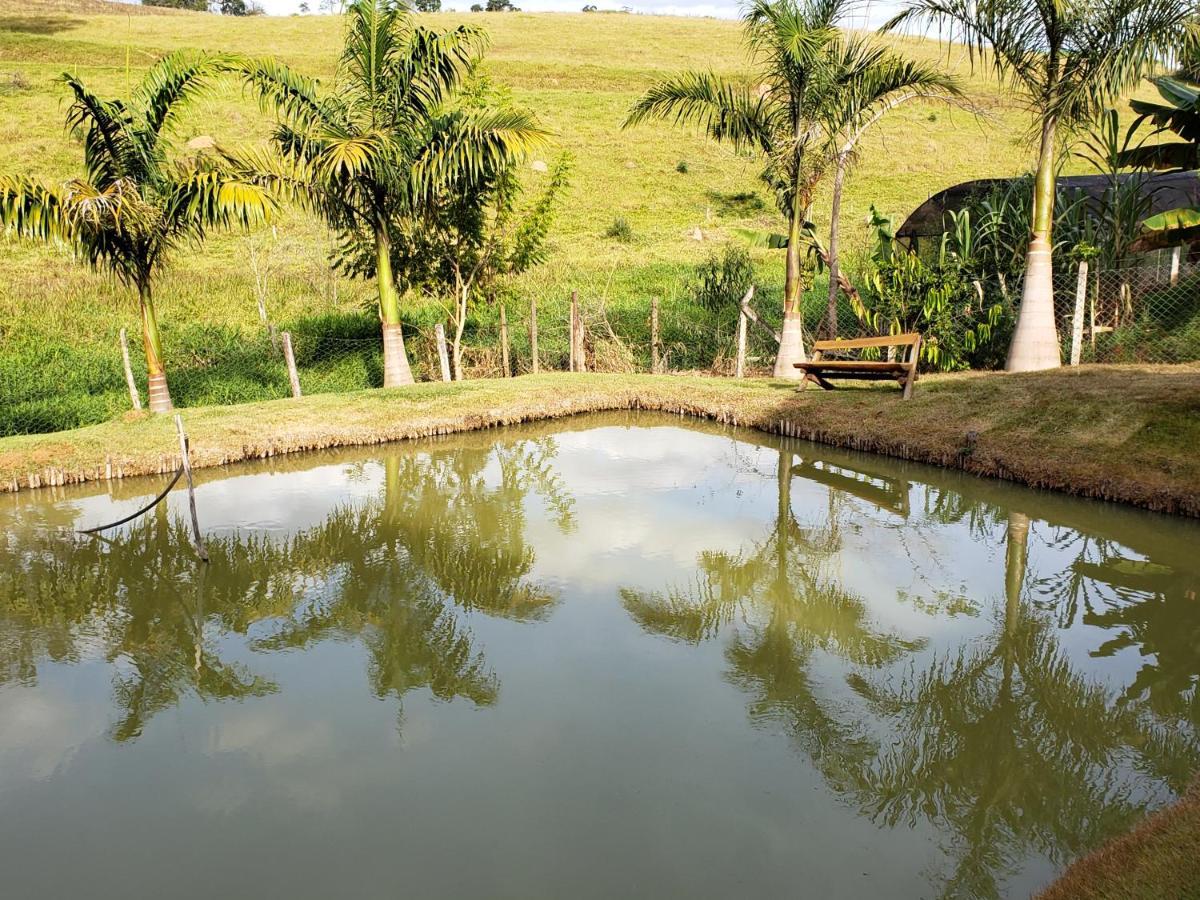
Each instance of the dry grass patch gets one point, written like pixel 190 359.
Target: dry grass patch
pixel 1159 859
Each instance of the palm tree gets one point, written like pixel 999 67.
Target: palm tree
pixel 779 117
pixel 1069 61
pixel 870 83
pixel 372 151
pixel 135 205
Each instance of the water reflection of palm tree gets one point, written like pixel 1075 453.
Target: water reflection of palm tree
pixel 60 598
pixel 1008 749
pixel 441 535
pixel 389 572
pixel 790 609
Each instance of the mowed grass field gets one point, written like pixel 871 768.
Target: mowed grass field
pixel 580 73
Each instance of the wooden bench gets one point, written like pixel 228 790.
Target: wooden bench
pixel 902 370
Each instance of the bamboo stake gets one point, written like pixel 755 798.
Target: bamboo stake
pixel 655 343
pixel 504 350
pixel 290 358
pixel 439 333
pixel 533 336
pixel 185 463
pixel 134 398
pixel 1081 286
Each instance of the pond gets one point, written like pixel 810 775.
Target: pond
pixel 620 655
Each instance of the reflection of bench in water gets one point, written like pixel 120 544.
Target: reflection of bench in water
pixel 1132 574
pixel 884 491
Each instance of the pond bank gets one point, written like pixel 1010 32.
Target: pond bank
pixel 1122 433
pixel 1159 858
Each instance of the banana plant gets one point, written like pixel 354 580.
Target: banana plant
pixel 136 204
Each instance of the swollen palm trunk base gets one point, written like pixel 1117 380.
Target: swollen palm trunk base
pixel 159 396
pixel 1035 342
pixel 396 371
pixel 791 348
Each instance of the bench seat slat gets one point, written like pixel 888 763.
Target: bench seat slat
pixel 842 365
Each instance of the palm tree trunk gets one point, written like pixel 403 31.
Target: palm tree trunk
pixel 839 180
pixel 1016 551
pixel 791 344
pixel 1035 341
pixel 396 371
pixel 156 375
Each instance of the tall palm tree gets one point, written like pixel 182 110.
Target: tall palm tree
pixel 1069 61
pixel 373 149
pixel 870 83
pixel 779 116
pixel 136 204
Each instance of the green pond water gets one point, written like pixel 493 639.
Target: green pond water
pixel 617 656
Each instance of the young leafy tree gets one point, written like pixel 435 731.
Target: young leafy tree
pixel 369 153
pixel 1069 61
pixel 479 233
pixel 135 205
pixel 868 83
pixel 779 116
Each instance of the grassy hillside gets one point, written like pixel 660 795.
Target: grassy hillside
pixel 579 72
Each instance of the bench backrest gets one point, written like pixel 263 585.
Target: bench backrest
pixel 891 340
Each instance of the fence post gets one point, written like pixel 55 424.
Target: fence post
pixel 1175 251
pixel 740 371
pixel 290 358
pixel 580 350
pixel 134 397
pixel 504 358
pixel 571 330
pixel 533 343
pixel 655 359
pixel 1081 286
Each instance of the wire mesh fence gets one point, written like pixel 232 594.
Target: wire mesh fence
pixel 1144 313
pixel 1149 313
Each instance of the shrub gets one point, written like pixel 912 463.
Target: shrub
pixel 723 279
pixel 620 230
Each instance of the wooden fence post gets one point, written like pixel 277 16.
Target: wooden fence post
pixel 185 462
pixel 504 352
pixel 1081 286
pixel 533 336
pixel 290 358
pixel 740 371
pixel 439 333
pixel 655 358
pixel 580 349
pixel 134 397
pixel 570 334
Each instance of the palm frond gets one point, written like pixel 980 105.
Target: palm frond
pixel 725 111
pixel 437 63
pixel 1007 36
pixel 280 89
pixel 1111 47
pixel 206 197
pixel 471 145
pixel 31 209
pixel 168 85
pixel 110 149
